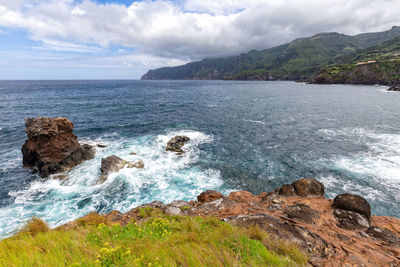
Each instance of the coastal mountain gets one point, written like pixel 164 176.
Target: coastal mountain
pixel 299 59
pixel 376 65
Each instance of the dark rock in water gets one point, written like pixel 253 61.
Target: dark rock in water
pixel 384 234
pixel 101 146
pixel 114 164
pixel 353 203
pixel 394 88
pixel 176 143
pixel 132 153
pixel 139 165
pixel 52 146
pixel 287 190
pixel 209 196
pixel 308 187
pixel 301 212
pixel 350 220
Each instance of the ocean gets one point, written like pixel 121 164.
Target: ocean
pixel 253 136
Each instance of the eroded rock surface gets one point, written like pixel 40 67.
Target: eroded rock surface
pixel 176 143
pixel 313 223
pixel 52 147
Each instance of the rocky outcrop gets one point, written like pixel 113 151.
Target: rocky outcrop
pixel 310 221
pixel 383 73
pixel 176 143
pixel 394 88
pixel 114 164
pixel 305 187
pixel 353 203
pixel 209 196
pixel 52 146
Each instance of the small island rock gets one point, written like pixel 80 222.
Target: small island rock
pixel 52 147
pixel 176 143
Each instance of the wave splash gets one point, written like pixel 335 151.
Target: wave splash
pixel 166 177
pixel 373 173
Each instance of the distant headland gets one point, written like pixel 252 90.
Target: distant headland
pixel 368 58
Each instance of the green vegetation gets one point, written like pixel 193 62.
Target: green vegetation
pixel 156 241
pixel 300 59
pixel 384 66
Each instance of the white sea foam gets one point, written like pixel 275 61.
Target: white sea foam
pixel 378 165
pixel 166 177
pixel 382 158
pixel 255 121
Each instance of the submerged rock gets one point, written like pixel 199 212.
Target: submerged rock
pixel 52 146
pixel 176 143
pixel 114 164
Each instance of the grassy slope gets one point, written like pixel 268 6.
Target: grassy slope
pixel 386 70
pixel 159 241
pixel 297 60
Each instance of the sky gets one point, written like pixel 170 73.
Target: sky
pixel 122 39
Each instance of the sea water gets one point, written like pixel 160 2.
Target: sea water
pixel 253 136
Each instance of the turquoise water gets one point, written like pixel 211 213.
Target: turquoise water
pixel 253 136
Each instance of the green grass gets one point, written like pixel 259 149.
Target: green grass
pixel 157 241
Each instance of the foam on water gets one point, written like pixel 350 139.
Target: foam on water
pixel 166 177
pixel 375 172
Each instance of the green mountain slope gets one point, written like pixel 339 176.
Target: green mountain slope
pixel 376 65
pixel 300 59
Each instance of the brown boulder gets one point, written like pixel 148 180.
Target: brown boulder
pixel 176 143
pixel 209 196
pixel 114 164
pixel 353 203
pixel 52 146
pixel 287 190
pixel 308 187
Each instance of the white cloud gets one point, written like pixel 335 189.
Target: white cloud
pixel 78 11
pixel 193 29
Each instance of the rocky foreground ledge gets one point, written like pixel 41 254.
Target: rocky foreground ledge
pixel 339 232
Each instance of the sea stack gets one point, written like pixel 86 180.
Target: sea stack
pixel 52 147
